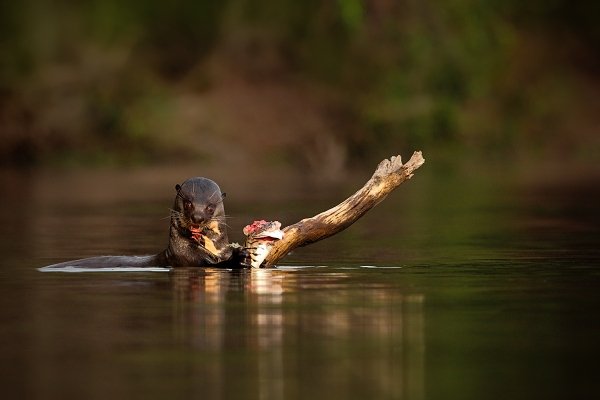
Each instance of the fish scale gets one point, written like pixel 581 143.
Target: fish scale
pixel 260 236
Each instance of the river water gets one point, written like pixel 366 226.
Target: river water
pixel 460 285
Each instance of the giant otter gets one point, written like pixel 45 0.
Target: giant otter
pixel 197 236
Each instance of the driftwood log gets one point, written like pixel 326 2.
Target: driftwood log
pixel 390 173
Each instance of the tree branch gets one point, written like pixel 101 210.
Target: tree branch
pixel 390 173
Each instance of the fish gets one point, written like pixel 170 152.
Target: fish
pixel 260 237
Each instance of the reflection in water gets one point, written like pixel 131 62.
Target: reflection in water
pixel 267 326
pixel 509 271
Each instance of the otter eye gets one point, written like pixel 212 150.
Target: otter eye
pixel 187 204
pixel 210 209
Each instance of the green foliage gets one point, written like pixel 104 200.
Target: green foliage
pixel 352 14
pixel 470 72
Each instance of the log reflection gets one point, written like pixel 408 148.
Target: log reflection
pixel 292 333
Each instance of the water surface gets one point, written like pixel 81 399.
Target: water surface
pixel 456 286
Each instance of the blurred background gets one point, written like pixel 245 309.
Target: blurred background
pixel 307 84
pixel 478 279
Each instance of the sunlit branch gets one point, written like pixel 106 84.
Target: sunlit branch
pixel 390 174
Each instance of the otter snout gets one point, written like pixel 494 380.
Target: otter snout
pixel 199 218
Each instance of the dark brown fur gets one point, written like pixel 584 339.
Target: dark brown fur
pixel 197 235
pixel 199 202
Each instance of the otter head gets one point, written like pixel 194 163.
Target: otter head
pixel 198 209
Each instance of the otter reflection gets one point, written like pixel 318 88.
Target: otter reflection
pixel 278 329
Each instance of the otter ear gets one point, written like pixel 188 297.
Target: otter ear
pixel 178 187
pixel 223 195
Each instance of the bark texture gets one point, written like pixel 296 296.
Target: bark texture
pixel 390 173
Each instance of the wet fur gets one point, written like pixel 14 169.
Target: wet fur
pixel 183 251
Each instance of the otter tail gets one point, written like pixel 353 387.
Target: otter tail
pixel 110 263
